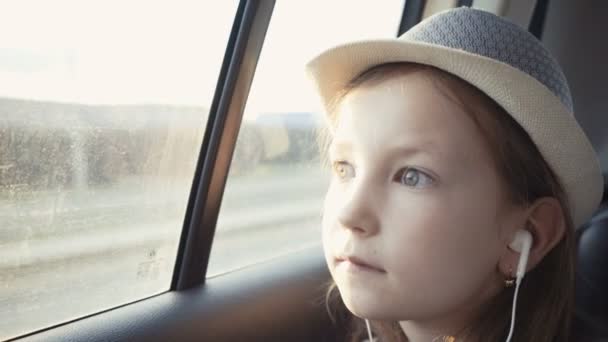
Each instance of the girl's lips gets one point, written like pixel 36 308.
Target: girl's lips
pixel 359 263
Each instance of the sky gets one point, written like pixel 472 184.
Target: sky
pixel 135 51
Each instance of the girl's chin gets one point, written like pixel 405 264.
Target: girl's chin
pixel 366 307
pixel 373 304
pixel 374 314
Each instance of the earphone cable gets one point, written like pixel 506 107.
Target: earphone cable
pixel 369 331
pixel 513 308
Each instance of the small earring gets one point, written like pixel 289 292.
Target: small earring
pixel 510 280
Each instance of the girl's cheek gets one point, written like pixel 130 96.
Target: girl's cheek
pixel 329 211
pixel 332 205
pixel 328 230
pixel 331 201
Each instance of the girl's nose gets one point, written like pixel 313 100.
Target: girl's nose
pixel 358 213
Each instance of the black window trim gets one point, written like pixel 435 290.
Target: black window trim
pixel 537 22
pixel 411 15
pixel 236 74
pixel 467 3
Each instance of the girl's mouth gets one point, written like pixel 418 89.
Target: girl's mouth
pixel 355 264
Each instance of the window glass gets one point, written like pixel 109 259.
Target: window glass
pixel 274 193
pixel 102 110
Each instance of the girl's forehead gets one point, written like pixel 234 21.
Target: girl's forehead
pixel 409 103
pixel 415 91
pixel 407 111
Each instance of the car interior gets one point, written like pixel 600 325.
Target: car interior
pixel 281 298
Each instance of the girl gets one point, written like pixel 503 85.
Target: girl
pixel 444 143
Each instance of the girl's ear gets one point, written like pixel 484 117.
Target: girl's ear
pixel 545 220
pixel 547 223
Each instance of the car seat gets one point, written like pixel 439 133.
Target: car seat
pixel 591 300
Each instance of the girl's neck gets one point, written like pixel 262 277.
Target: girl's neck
pixel 420 333
pixel 458 323
pixel 455 324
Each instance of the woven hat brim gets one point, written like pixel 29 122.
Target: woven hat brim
pixel 543 116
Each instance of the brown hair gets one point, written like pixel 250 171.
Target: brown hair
pixel 545 301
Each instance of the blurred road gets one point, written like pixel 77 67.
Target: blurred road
pixel 66 254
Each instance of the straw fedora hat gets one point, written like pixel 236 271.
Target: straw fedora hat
pixel 505 62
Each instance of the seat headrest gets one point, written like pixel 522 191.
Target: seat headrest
pixel 592 271
pixel 605 196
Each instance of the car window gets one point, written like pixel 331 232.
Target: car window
pixel 102 110
pixel 274 192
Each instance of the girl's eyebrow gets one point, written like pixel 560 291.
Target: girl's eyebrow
pixel 344 147
pixel 403 148
pixel 408 148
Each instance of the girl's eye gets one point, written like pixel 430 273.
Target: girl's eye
pixel 413 178
pixel 343 170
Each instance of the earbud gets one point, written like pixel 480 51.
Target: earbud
pixel 521 244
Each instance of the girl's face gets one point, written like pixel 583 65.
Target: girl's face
pixel 415 195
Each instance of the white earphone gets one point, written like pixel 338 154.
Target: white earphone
pixel 522 243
